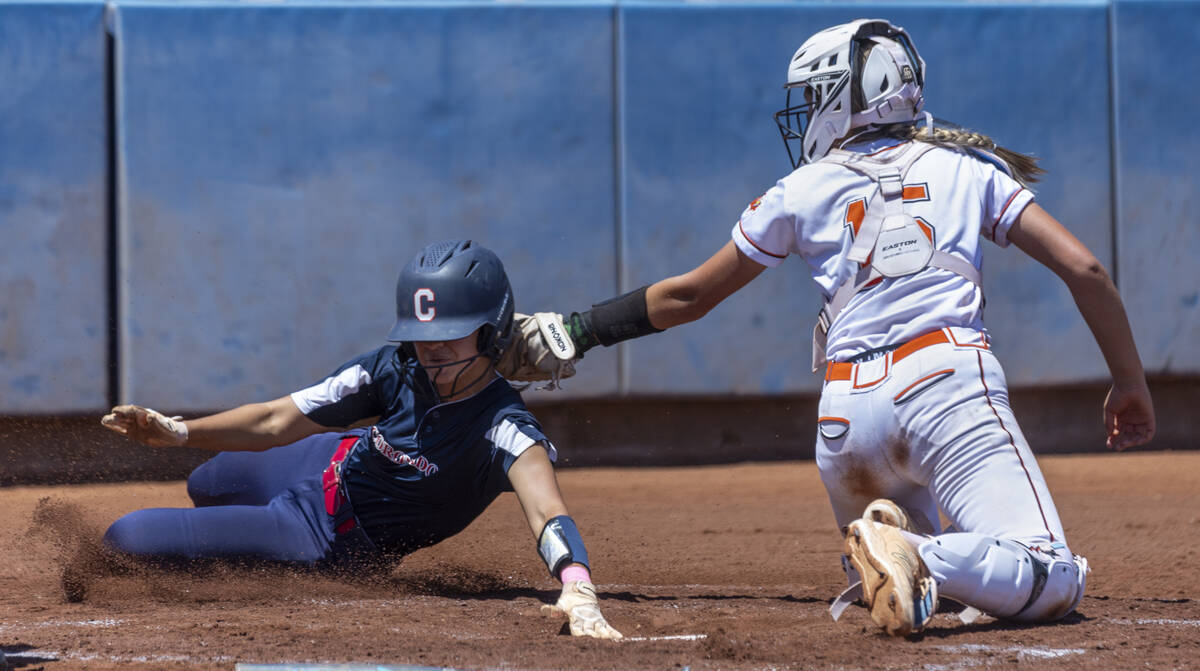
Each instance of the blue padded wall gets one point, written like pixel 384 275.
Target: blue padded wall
pixel 53 211
pixel 1158 145
pixel 281 163
pixel 699 85
pixel 278 162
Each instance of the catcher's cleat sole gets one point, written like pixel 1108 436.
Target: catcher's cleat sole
pixel 897 588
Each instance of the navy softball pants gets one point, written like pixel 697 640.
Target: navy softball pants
pixel 249 505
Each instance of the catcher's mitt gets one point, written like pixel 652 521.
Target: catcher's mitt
pixel 541 350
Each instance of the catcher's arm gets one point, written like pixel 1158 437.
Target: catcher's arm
pixel 539 353
pixel 559 544
pixel 252 427
pixel 688 297
pixel 1128 409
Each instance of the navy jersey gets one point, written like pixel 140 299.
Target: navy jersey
pixel 427 469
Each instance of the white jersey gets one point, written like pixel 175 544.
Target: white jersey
pixel 815 211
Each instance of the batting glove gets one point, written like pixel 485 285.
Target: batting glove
pixel 541 350
pixel 146 426
pixel 578 602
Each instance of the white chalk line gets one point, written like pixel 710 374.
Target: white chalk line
pixel 1164 621
pixel 63 623
pixel 58 655
pixel 675 637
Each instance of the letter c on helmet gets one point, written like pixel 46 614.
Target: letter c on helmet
pixel 423 305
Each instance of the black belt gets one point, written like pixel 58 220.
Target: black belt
pixel 872 354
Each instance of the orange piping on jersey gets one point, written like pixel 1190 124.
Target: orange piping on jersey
pixel 905 391
pixel 756 244
pixel 839 420
pixel 1003 210
pixel 988 397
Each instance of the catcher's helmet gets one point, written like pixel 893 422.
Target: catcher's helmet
pixel 450 289
pixel 841 89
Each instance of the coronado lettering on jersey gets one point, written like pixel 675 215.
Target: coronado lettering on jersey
pixel 426 467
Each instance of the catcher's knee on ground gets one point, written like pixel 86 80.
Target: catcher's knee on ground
pixel 1004 578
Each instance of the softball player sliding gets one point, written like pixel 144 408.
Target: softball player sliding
pixel 451 435
pixel 888 210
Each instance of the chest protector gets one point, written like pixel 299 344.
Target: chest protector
pixel 889 236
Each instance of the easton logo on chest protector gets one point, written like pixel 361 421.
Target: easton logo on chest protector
pixel 901 248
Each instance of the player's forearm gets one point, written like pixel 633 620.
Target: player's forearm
pixel 532 478
pixel 1100 304
pixel 692 295
pixel 251 427
pixel 676 301
pixel 670 302
pixel 1046 240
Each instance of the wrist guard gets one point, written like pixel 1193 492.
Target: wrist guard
pixel 612 321
pixel 560 544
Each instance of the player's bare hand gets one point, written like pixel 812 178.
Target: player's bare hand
pixel 1128 417
pixel 578 602
pixel 146 426
pixel 541 350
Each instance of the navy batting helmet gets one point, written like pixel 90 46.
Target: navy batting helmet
pixel 449 290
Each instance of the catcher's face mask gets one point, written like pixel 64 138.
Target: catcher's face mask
pixel 853 75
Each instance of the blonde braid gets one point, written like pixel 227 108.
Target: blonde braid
pixel 1024 167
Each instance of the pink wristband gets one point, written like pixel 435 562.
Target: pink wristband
pixel 573 573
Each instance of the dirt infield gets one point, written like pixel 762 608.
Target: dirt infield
pixel 728 567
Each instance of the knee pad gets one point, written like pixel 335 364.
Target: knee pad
pixel 1066 579
pixel 1004 578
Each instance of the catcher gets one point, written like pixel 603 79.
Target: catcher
pixel 889 210
pixel 451 435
